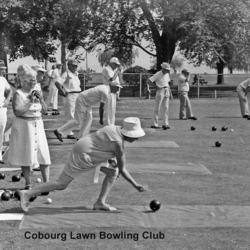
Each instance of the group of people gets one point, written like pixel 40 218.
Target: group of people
pixel 161 81
pixel 28 144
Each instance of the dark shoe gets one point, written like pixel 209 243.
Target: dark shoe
pixel 55 113
pixel 36 169
pixel 246 116
pixel 165 127
pixel 1 162
pixel 45 193
pixel 71 137
pixel 155 127
pixel 28 187
pixel 46 113
pixel 58 135
pixel 192 118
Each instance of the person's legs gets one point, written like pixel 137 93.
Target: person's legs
pixel 60 184
pixel 3 120
pixel 182 113
pixel 109 180
pixel 159 97
pixel 85 118
pixel 243 101
pixel 26 175
pixel 55 99
pixel 68 127
pixel 110 109
pixel 165 107
pixel 45 172
pixel 189 107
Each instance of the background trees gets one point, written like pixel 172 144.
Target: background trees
pixel 207 31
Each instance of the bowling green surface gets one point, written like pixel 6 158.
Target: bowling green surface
pixel 203 189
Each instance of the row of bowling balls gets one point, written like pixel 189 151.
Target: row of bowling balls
pixel 8 194
pixel 224 128
pixel 15 178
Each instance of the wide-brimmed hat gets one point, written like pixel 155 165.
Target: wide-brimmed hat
pixel 73 62
pixel 165 66
pixel 38 67
pixel 115 60
pixel 2 64
pixel 132 127
pixel 185 70
pixel 117 84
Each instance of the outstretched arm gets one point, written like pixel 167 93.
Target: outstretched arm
pixel 120 157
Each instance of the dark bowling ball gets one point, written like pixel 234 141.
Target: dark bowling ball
pixel 2 176
pixel 16 178
pixel 45 193
pixel 193 128
pixel 5 196
pixel 17 194
pixel 33 198
pixel 224 128
pixel 217 144
pixel 214 128
pixel 155 205
pixel 22 174
pixel 10 192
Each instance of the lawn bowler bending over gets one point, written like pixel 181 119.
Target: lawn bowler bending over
pixel 83 110
pixel 88 153
pixel 161 80
pixel 242 90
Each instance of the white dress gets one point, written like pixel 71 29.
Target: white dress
pixel 28 142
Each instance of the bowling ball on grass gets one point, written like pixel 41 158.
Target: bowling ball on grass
pixel 155 205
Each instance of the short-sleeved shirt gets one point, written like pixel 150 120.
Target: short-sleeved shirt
pixel 160 79
pixel 108 73
pixel 93 149
pixel 95 95
pixel 183 83
pixel 3 86
pixel 70 81
pixel 245 84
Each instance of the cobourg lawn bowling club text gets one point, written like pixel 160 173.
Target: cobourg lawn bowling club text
pixel 102 235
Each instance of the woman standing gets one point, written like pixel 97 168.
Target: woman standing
pixel 28 143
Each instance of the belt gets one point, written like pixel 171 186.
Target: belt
pixel 74 92
pixel 31 118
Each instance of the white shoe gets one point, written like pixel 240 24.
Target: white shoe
pixel 105 207
pixel 24 204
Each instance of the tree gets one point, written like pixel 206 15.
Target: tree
pixel 218 35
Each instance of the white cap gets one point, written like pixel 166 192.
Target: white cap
pixel 114 60
pixel 132 127
pixel 165 66
pixel 38 67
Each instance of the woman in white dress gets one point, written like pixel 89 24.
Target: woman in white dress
pixel 28 143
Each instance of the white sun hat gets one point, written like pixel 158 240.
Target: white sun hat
pixel 132 127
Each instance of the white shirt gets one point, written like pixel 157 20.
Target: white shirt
pixel 183 83
pixel 70 81
pixel 160 79
pixel 108 73
pixel 245 84
pixel 3 86
pixel 95 95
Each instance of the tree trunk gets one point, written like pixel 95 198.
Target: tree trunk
pixel 220 68
pixel 63 56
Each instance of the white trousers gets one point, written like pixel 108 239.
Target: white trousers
pixel 185 105
pixel 52 97
pixel 162 99
pixel 69 106
pixel 110 109
pixel 82 117
pixel 3 121
pixel 243 101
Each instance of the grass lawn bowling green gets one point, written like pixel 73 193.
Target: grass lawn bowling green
pixel 203 189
